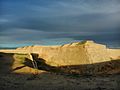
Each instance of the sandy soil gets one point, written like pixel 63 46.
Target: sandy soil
pixel 11 80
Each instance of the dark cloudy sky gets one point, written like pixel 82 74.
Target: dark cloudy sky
pixel 53 22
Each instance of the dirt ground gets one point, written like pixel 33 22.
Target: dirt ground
pixel 45 80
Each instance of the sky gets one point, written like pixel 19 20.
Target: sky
pixel 55 22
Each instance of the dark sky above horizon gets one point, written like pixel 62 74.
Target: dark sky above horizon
pixel 53 22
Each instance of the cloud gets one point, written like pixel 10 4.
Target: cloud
pixel 63 15
pixel 81 7
pixel 40 20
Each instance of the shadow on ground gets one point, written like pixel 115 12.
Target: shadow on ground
pixel 6 61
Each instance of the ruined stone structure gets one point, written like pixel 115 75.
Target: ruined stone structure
pixel 79 53
pixel 86 57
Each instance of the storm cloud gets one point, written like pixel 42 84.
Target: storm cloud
pixel 47 22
